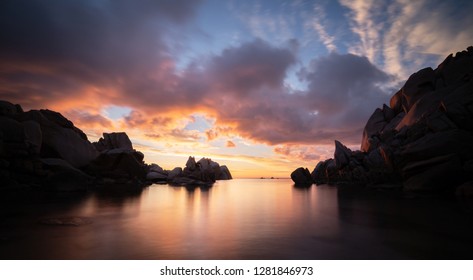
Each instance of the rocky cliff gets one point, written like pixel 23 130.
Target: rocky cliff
pixel 43 150
pixel 422 141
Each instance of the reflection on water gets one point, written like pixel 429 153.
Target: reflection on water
pixel 237 219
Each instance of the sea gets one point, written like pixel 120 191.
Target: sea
pixel 244 219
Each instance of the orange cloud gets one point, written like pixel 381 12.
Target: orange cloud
pixel 304 153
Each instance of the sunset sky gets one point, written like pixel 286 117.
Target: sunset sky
pixel 261 86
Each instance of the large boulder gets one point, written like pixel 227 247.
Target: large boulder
pixel 9 109
pixel 375 124
pixel 453 69
pixel 20 139
pixel 224 173
pixel 301 177
pixel 114 140
pixel 433 174
pixel 156 177
pixel 203 172
pixel 33 136
pixel 155 168
pixel 177 171
pixel 61 176
pixel 117 164
pixel 191 164
pixel 342 155
pixel 60 138
pixel 426 105
pixel 156 174
pixel 417 85
pixel 433 145
pixel 12 135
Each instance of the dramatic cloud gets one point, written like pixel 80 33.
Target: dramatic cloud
pixel 53 50
pixel 345 88
pixel 343 91
pixel 298 75
pixel 250 66
pixel 243 88
pixel 87 119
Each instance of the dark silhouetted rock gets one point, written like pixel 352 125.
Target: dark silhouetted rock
pixel 13 138
pixel 114 140
pixel 397 103
pixel 224 173
pixel 301 177
pixel 61 139
pixel 156 174
pixel 43 150
pixel 9 109
pixel 61 176
pixel 177 171
pixel 435 174
pixel 342 155
pixel 155 168
pixel 416 86
pixel 33 137
pixel 191 164
pixel 203 172
pixel 117 164
pixel 424 140
pixel 156 177
pixel 375 124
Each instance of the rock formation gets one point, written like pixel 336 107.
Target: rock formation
pixel 202 173
pixel 114 140
pixel 423 140
pixel 42 150
pixel 301 177
pixel 117 159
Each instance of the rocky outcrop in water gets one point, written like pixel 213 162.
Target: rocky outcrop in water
pixel 42 150
pixel 423 140
pixel 201 173
pixel 301 177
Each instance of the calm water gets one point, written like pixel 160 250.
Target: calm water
pixel 238 219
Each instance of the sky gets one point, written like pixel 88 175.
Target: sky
pixel 260 86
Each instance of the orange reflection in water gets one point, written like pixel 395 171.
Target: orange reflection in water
pixel 242 218
pixel 236 219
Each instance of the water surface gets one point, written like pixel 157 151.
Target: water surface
pixel 237 219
